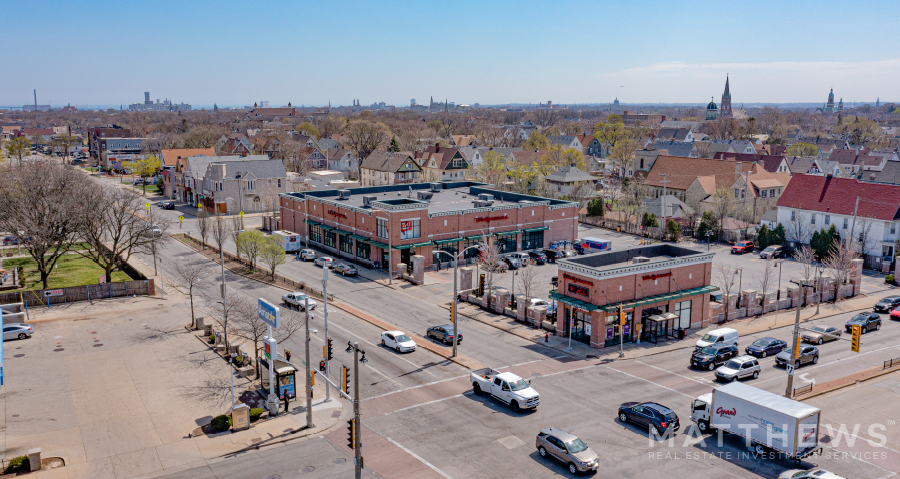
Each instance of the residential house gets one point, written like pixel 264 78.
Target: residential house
pixel 170 157
pixel 740 146
pixel 389 168
pixel 444 164
pixel 593 147
pixel 270 114
pixel 856 160
pixel 566 142
pixel 890 174
pixel 113 151
pixel 694 179
pixel 801 164
pixel 472 154
pixel 817 202
pixel 566 180
pixel 230 187
pixel 325 144
pixel 462 140
pixel 771 163
pixel 313 159
pixel 189 173
pixel 675 134
pixel 758 190
pixel 644 159
pixel 692 124
pixel 97 135
pixel 630 118
pixel 674 208
pixel 675 148
pixel 342 160
pixel 234 144
pixel 43 135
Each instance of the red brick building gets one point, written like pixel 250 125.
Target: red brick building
pixel 660 289
pixel 363 224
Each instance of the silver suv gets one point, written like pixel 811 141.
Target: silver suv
pixel 738 368
pixel 568 449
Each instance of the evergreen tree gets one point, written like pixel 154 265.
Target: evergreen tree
pixel 776 236
pixel 708 224
pixel 763 237
pixel 595 207
pixel 673 230
pixel 395 145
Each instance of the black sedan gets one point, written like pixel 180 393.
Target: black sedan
pixel 552 255
pixel 887 304
pixel 657 418
pixel 808 355
pixel 763 347
pixel 712 356
pixel 166 205
pixel 538 257
pixel 443 334
pixel 867 321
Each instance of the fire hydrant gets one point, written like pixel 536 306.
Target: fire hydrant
pixel 546 337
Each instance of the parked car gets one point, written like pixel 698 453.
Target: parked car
pixel 742 247
pixel 887 304
pixel 537 257
pixel 808 354
pixel 298 300
pixel 398 340
pixel 166 205
pixel 655 417
pixel 568 253
pixel 814 473
pixel 523 258
pixel 154 231
pixel 772 252
pixel 820 334
pixel 712 356
pixel 763 347
pixel 552 255
pixel 17 331
pixel 867 321
pixel 10 240
pixel 443 334
pixel 324 261
pixel 551 307
pixel 566 448
pixel 345 269
pixel 741 367
pixel 895 314
pixel 307 255
pixel 726 336
pixel 511 262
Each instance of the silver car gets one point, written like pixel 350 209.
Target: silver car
pixel 741 367
pixel 17 331
pixel 307 255
pixel 814 473
pixel 568 449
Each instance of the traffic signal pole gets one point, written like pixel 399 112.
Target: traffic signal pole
pixel 796 344
pixel 357 446
pixel 309 416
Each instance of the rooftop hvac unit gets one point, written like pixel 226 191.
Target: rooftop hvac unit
pixel 640 259
pixel 343 194
pixel 368 199
pixel 436 187
pixel 485 196
pixel 424 195
pixel 482 203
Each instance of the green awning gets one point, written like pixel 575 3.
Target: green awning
pixel 311 222
pixel 342 232
pixel 445 241
pixel 576 303
pixel 540 228
pixel 403 246
pixel 659 298
pixel 359 238
pixel 419 245
pixel 327 228
pixel 477 237
pixel 374 243
pixel 507 233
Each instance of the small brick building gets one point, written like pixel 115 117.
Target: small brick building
pixel 364 224
pixel 660 289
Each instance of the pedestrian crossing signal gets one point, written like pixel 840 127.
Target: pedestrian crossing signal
pixel 345 379
pixel 854 341
pixel 351 425
pixel 452 316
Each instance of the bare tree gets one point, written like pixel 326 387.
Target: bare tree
pixel 839 264
pixel 246 324
pixel 188 275
pixel 722 206
pixel 765 281
pixel 364 137
pixel 582 194
pixel 220 230
pixel 157 234
pixel 633 199
pixel 806 258
pixel 528 281
pixel 203 224
pixel 863 236
pixel 798 228
pixel 726 278
pixel 225 311
pixel 44 206
pixel 493 267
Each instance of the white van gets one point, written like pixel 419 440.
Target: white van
pixel 726 336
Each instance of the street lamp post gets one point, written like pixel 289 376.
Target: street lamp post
pixel 309 416
pixel 740 286
pixel 455 258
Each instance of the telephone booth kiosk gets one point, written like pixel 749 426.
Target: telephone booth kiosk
pixel 284 378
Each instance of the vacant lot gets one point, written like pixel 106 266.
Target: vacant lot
pixel 71 270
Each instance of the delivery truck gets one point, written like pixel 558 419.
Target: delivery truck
pixel 766 420
pixel 289 241
pixel 592 245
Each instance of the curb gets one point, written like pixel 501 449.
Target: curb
pixel 878 374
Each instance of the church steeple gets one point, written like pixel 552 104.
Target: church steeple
pixel 727 93
pixel 725 107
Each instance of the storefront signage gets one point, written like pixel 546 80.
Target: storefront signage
pixel 656 276
pixel 578 290
pixel 576 279
pixel 490 218
pixel 337 213
pixel 405 225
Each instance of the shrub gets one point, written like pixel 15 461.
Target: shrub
pixel 212 338
pixel 221 423
pixel 255 413
pixel 889 279
pixel 18 464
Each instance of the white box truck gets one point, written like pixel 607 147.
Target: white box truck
pixel 766 420
pixel 289 241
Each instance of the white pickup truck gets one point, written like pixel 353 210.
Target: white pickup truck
pixel 505 387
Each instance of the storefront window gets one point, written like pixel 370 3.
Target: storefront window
pixel 363 250
pixel 315 234
pixel 473 252
pixel 506 243
pixel 382 228
pixel 346 244
pixel 330 239
pixel 409 229
pixel 683 310
pixel 532 240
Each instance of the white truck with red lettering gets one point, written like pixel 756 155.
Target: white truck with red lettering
pixel 766 420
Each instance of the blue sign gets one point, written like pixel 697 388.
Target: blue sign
pixel 286 384
pixel 269 313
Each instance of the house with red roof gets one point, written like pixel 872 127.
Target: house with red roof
pixel 856 208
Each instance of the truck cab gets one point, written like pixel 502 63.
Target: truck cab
pixel 505 387
pixel 700 411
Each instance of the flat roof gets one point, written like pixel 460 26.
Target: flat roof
pixel 454 196
pixel 654 253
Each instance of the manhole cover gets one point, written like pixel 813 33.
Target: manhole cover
pixel 58 350
pixel 308 469
pixel 19 356
pixel 535 374
pixel 340 460
pixel 98 345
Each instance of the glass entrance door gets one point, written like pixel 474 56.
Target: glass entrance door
pixel 615 333
pixel 581 326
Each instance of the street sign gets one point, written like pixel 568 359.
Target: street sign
pixel 180 218
pixel 790 369
pixel 101 279
pixel 854 341
pixel 241 214
pixel 269 313
pixel 147 206
pixel 53 292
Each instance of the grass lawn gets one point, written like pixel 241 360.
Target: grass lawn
pixel 151 189
pixel 71 270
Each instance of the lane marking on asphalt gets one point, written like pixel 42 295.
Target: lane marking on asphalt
pixel 704 381
pixel 417 366
pixel 816 366
pixel 423 461
pixel 649 381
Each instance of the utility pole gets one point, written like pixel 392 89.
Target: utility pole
pixel 162 279
pixel 357 456
pixel 325 313
pixel 455 299
pixel 309 416
pixel 796 344
pixel 662 212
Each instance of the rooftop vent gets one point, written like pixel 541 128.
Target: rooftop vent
pixel 424 195
pixel 485 196
pixel 368 199
pixel 640 259
pixel 343 194
pixel 482 203
pixel 437 186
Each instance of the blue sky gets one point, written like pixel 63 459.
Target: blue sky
pixel 489 52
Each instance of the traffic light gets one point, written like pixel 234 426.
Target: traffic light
pixel 854 341
pixel 451 312
pixel 796 351
pixel 351 425
pixel 329 356
pixel 345 379
pixel 312 377
pixel 481 285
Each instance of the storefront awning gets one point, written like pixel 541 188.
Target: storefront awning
pixel 445 241
pixel 360 238
pixel 540 228
pixel 403 246
pixel 311 222
pixel 342 232
pixel 575 303
pixel 419 245
pixel 660 298
pixel 476 237
pixel 327 228
pixel 374 243
pixel 507 233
